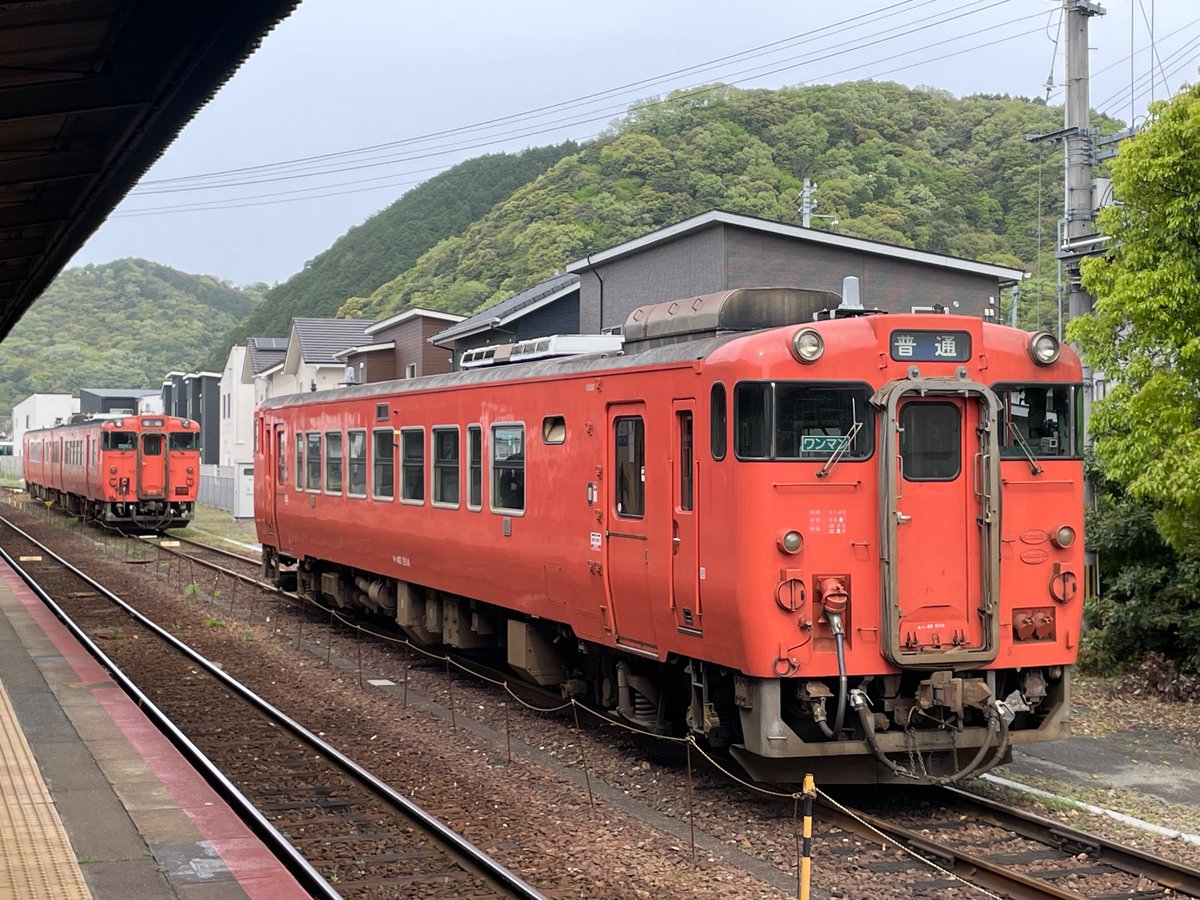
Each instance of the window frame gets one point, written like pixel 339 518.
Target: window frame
pixel 960 421
pixel 549 425
pixel 373 460
pixel 348 462
pixel 475 456
pixel 300 459
pixel 341 463
pixel 869 421
pixel 434 481
pixel 507 510
pixel 712 423
pixel 281 445
pixel 615 497
pixel 404 432
pixel 1075 417
pixel 319 462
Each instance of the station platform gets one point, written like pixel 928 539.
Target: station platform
pixel 94 800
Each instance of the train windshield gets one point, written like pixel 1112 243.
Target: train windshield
pixel 798 420
pixel 185 440
pixel 1046 418
pixel 119 440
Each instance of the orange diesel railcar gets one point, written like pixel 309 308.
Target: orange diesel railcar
pixel 132 472
pixel 850 546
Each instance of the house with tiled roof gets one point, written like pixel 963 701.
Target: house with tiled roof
pixel 400 347
pixel 549 307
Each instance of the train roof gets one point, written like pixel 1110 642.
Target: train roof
pixel 109 422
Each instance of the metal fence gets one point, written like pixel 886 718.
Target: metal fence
pixel 11 466
pixel 217 486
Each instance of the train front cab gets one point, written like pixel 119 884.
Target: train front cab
pixel 932 584
pixel 147 473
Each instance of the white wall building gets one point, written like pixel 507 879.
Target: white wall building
pixel 41 411
pixel 237 411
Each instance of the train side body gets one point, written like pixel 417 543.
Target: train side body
pixel 134 472
pixel 690 506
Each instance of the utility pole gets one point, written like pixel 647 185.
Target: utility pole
pixel 808 203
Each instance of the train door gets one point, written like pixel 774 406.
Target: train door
pixel 152 466
pixel 685 542
pixel 941 524
pixel 274 475
pixel 627 539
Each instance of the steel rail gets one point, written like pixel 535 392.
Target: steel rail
pixel 471 856
pixel 301 869
pixel 1166 872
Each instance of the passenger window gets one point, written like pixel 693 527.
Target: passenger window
pixel 930 441
pixel 412 460
pixel 445 466
pixel 333 462
pixel 299 461
pixel 630 480
pixel 474 467
pixel 718 421
pixel 356 453
pixel 686 466
pixel 281 453
pixel 384 459
pixel 508 468
pixel 314 462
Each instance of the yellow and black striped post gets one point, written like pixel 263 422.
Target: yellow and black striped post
pixel 810 791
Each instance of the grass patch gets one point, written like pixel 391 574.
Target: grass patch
pixel 218 528
pixel 214 622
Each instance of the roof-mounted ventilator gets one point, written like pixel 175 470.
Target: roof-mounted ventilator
pixel 555 345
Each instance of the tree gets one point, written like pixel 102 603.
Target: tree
pixel 1143 332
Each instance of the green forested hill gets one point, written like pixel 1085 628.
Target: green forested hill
pixel 919 168
pixel 391 241
pixel 122 324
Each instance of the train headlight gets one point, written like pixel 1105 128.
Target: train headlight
pixel 1044 348
pixel 791 542
pixel 1064 537
pixel 807 345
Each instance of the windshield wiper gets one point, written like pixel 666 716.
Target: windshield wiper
pixel 1034 467
pixel 841 448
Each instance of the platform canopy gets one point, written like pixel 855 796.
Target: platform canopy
pixel 91 93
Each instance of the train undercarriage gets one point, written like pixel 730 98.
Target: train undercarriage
pixel 929 726
pixel 140 516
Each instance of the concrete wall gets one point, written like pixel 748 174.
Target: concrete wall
pixel 691 265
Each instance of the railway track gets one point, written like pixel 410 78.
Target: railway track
pixel 334 823
pixel 1003 851
pixel 1012 853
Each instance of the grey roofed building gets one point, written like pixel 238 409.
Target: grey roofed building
pixel 262 354
pixel 508 311
pixel 549 307
pixel 319 340
pixel 108 400
pixel 718 251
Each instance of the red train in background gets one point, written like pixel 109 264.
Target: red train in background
pixel 834 541
pixel 138 473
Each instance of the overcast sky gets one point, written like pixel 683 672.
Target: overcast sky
pixel 342 75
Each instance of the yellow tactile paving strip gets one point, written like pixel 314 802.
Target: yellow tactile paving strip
pixel 36 859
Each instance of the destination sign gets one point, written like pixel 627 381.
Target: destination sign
pixel 931 346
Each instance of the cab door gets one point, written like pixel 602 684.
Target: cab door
pixel 627 557
pixel 941 522
pixel 152 466
pixel 685 537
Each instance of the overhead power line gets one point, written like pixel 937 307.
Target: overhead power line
pixel 315 166
pixel 271 198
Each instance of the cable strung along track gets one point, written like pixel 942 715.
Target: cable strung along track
pixel 1014 853
pixel 330 820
